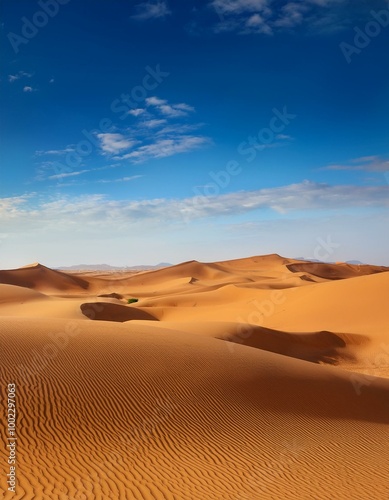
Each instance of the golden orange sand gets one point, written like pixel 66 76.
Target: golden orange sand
pixel 259 378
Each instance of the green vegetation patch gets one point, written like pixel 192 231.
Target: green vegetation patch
pixel 132 301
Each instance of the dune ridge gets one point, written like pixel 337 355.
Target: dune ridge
pixel 38 277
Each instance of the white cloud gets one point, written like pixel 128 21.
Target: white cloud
pixel 166 147
pixel 153 123
pixel 99 210
pixel 157 132
pixel 254 20
pixel 48 167
pixel 324 3
pixel 58 152
pixel 28 89
pixel 155 101
pixel 243 16
pixel 170 110
pixel 303 196
pixel 126 179
pixel 266 17
pixel 122 179
pixel 67 174
pixel 364 159
pixel 17 76
pixel 151 10
pixel 292 14
pixel 155 136
pixel 257 24
pixel 240 6
pixel 179 129
pixel 10 205
pixel 47 230
pixel 366 163
pixel 51 80
pixel 115 143
pixel 136 112
pixel 184 107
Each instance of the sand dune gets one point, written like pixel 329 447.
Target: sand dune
pixel 335 271
pixel 258 378
pixel 317 347
pixel 9 294
pixel 176 414
pixel 38 277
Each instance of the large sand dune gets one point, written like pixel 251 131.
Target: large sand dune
pixel 258 378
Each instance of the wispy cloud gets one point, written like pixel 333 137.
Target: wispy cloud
pixel 366 163
pixel 324 3
pixel 160 130
pixel 11 204
pixel 27 88
pixel 267 17
pixel 243 16
pixel 166 147
pixel 184 107
pixel 122 179
pixel 98 209
pixel 136 112
pixel 177 110
pixel 155 101
pixel 18 75
pixel 240 6
pixel 154 123
pixel 171 110
pixel 291 15
pixel 115 143
pixel 68 149
pixel 172 130
pixel 258 24
pixel 68 174
pixel 151 10
pixel 44 171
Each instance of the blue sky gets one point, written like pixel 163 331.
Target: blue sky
pixel 134 133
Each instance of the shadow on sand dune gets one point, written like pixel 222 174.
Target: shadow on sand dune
pixel 104 311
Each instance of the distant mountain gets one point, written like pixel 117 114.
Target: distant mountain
pixel 107 267
pixel 147 268
pixel 307 260
pixel 354 262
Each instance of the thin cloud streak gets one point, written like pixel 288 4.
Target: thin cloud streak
pixel 163 148
pixel 365 163
pixel 98 209
pixel 151 10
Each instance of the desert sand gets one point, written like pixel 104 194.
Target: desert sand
pixel 250 379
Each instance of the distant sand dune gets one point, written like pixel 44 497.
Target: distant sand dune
pixel 335 271
pixel 42 278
